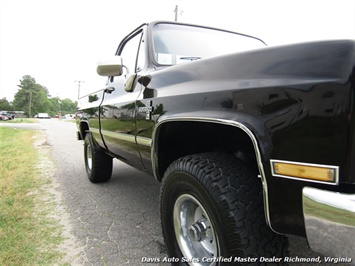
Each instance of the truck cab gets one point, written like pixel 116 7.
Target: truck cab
pixel 240 135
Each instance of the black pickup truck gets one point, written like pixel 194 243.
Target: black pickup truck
pixel 250 143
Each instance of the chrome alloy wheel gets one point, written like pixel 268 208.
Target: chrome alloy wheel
pixel 89 156
pixel 194 231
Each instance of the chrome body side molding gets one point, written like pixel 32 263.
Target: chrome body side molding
pixel 144 141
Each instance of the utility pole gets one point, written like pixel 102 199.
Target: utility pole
pixel 79 81
pixel 176 12
pixel 59 108
pixel 30 106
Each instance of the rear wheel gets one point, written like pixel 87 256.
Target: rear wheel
pixel 211 207
pixel 98 164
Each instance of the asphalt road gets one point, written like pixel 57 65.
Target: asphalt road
pixel 114 223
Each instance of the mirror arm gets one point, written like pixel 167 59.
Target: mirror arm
pixel 109 90
pixel 123 66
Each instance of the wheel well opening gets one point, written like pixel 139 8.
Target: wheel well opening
pixel 83 128
pixel 178 139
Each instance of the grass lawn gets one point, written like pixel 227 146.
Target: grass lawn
pixel 28 235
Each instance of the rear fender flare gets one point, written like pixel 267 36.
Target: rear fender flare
pixel 241 126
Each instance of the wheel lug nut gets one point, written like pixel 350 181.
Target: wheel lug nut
pixel 197 231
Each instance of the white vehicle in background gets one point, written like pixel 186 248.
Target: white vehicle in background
pixel 69 116
pixel 42 116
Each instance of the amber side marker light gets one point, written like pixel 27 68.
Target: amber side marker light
pixel 309 172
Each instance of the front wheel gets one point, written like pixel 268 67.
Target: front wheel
pixel 212 210
pixel 98 164
pixel 194 229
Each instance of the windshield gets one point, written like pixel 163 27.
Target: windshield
pixel 174 44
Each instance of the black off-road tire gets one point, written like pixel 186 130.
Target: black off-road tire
pixel 98 164
pixel 230 196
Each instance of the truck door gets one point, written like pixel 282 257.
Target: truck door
pixel 118 110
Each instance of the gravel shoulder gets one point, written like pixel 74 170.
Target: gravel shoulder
pixel 52 197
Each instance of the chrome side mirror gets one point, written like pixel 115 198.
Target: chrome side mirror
pixel 110 67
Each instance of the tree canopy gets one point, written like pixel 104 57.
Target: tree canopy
pixel 33 98
pixel 5 105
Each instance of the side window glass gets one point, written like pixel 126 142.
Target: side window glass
pixel 129 54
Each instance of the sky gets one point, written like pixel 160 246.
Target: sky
pixel 59 42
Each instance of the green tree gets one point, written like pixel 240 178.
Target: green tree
pixel 5 105
pixel 62 107
pixel 68 106
pixel 32 97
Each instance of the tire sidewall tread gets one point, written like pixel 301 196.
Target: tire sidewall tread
pixel 232 195
pixel 101 168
